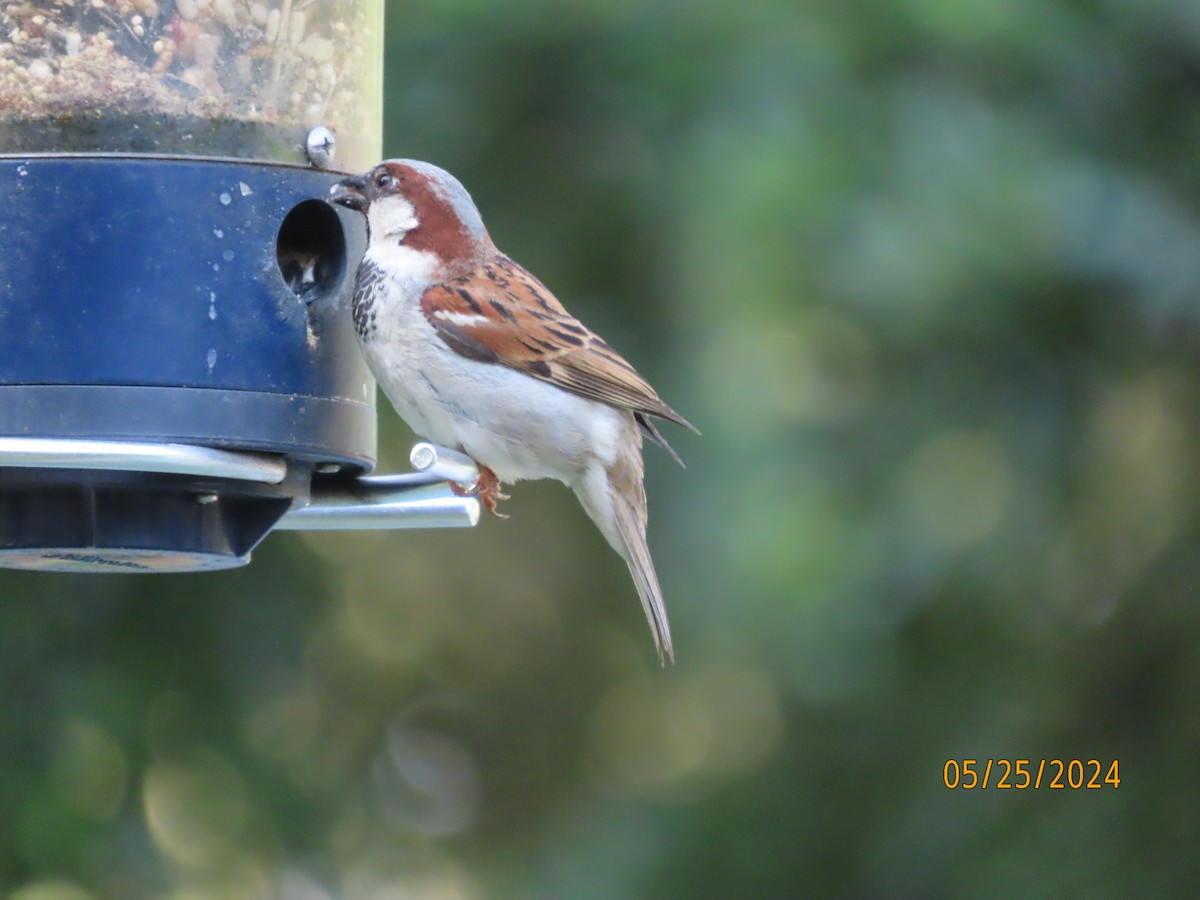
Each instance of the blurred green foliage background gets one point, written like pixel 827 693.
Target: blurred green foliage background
pixel 925 273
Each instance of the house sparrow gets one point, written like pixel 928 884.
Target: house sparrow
pixel 475 353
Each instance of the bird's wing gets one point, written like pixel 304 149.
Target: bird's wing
pixel 502 314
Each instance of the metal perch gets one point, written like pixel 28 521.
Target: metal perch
pixel 421 499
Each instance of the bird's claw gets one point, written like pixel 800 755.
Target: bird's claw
pixel 486 488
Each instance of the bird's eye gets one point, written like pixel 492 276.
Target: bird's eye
pixel 383 181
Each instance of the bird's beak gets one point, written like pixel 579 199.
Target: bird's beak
pixel 351 192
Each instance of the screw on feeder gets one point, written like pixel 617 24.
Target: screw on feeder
pixel 320 146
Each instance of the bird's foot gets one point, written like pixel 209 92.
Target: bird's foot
pixel 486 488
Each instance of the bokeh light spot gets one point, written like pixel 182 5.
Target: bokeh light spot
pixel 197 811
pixel 89 771
pixel 50 890
pixel 956 488
pixel 649 733
pixel 428 781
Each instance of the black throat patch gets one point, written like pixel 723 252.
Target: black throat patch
pixel 367 283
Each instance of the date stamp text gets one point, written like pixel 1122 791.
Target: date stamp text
pixel 1031 774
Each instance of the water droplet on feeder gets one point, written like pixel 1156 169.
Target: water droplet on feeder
pixel 225 198
pixel 227 255
pixel 211 359
pixel 218 233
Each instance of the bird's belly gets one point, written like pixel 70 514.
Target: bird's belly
pixel 519 427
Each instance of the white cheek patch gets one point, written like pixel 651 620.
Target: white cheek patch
pixel 409 271
pixel 393 217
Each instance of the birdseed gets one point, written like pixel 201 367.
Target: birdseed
pixel 211 77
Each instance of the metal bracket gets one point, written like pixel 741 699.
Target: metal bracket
pixel 423 499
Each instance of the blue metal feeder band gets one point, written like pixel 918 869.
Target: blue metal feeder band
pixel 172 301
pixel 181 300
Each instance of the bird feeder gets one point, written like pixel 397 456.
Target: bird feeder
pixel 178 368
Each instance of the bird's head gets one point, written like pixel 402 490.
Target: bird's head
pixel 420 206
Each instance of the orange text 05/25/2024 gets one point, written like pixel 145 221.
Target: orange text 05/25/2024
pixel 1031 774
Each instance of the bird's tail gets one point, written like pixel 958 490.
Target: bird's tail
pixel 631 529
pixel 616 501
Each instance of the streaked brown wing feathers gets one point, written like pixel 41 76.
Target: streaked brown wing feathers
pixel 502 311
